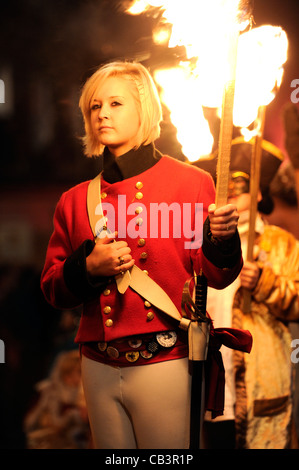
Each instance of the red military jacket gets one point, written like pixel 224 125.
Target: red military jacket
pixel 174 196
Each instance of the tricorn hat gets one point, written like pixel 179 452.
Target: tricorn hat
pixel 240 162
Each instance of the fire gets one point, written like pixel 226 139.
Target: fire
pixel 204 28
pixel 262 52
pixel 182 96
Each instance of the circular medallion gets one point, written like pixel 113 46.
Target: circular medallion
pixel 112 352
pixel 153 346
pixel 146 354
pixel 135 342
pixel 167 339
pixel 132 356
pixel 102 346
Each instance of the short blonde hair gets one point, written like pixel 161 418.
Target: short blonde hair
pixel 145 93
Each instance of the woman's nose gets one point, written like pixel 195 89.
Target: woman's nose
pixel 103 112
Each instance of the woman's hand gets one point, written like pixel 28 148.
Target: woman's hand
pixel 109 257
pixel 223 221
pixel 250 275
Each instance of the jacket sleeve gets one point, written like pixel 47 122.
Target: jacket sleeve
pixel 220 262
pixel 64 280
pixel 280 293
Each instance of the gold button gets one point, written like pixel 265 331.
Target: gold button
pixel 138 210
pixel 150 316
pixel 109 322
pixel 143 255
pixel 145 271
pixel 139 221
pixel 106 292
pixel 107 310
pixel 141 242
pixel 103 195
pixel 139 195
pixel 147 304
pixel 139 185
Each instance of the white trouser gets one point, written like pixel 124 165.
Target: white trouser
pixel 138 407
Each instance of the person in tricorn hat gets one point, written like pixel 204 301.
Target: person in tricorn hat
pixel 258 399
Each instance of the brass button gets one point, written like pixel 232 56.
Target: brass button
pixel 139 195
pixel 147 304
pixel 102 346
pixel 138 210
pixel 139 221
pixel 109 322
pixel 139 185
pixel 143 255
pixel 150 316
pixel 141 242
pixel 103 195
pixel 107 310
pixel 106 292
pixel 145 271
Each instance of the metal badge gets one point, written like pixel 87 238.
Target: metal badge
pixel 132 356
pixel 146 354
pixel 167 339
pixel 153 347
pixel 112 352
pixel 135 343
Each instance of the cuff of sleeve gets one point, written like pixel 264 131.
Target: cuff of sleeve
pixel 223 254
pixel 76 277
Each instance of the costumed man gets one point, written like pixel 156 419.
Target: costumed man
pixel 258 400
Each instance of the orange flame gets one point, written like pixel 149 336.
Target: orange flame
pixel 203 28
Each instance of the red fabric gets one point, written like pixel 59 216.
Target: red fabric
pixel 168 260
pixel 241 340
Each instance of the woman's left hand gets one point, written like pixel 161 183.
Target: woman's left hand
pixel 223 221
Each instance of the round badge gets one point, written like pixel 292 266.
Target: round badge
pixel 153 347
pixel 146 354
pixel 112 352
pixel 167 339
pixel 135 343
pixel 102 346
pixel 132 356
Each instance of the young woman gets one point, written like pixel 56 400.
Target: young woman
pixel 145 219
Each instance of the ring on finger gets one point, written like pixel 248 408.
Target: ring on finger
pixel 121 260
pixel 227 227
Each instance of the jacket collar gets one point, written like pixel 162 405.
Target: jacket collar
pixel 130 164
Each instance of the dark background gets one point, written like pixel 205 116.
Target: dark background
pixel 47 50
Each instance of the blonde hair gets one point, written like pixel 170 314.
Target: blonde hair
pixel 145 93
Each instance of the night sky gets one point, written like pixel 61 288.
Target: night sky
pixel 49 47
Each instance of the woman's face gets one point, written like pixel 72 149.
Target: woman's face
pixel 114 115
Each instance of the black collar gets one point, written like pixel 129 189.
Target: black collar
pixel 130 164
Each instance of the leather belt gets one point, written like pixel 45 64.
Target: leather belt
pixel 137 348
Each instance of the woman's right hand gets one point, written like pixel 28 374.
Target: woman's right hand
pixel 109 257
